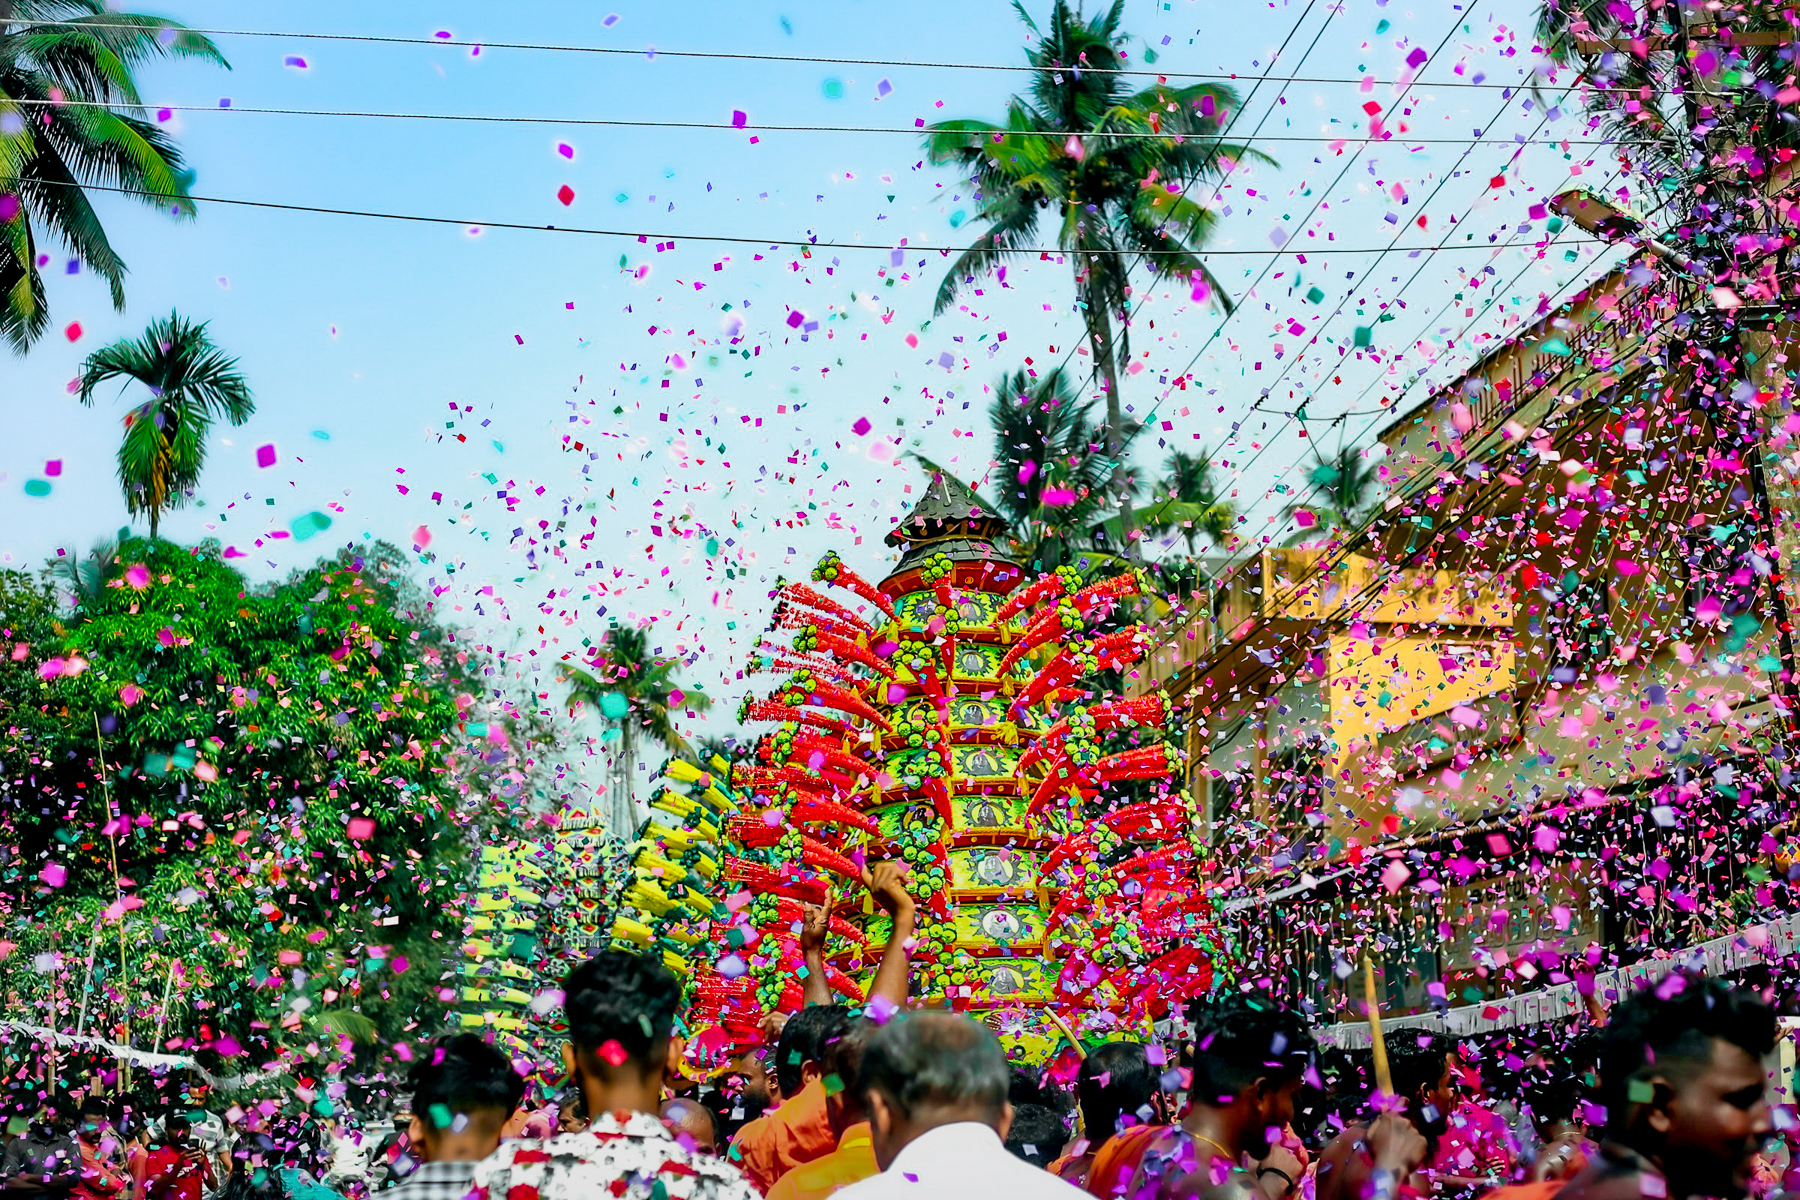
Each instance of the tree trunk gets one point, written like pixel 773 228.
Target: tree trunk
pixel 625 813
pixel 1099 323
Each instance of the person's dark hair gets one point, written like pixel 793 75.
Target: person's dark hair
pixel 1114 1080
pixel 1550 1098
pixel 1243 1037
pixel 96 1106
pixel 463 1074
pixel 803 1040
pixel 1027 1086
pixel 627 999
pixel 1668 1029
pixel 1417 1060
pixel 936 1062
pixel 1038 1135
pixel 842 1056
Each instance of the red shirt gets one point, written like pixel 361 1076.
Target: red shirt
pixel 169 1175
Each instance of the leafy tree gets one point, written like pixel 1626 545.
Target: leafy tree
pixel 1112 168
pixel 250 781
pixel 1190 502
pixel 77 121
pixel 1051 469
pixel 1345 485
pixel 1693 113
pixel 192 384
pixel 628 682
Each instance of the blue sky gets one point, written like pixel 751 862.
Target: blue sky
pixel 372 344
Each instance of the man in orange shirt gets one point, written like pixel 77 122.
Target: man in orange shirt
pixel 848 1116
pixel 799 1131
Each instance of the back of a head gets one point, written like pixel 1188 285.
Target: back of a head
pixel 625 1000
pixel 461 1075
pixel 934 1068
pixel 803 1040
pixel 1038 1134
pixel 1669 1029
pixel 1115 1081
pixel 1243 1037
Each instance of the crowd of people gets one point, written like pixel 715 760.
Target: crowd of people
pixel 1668 1097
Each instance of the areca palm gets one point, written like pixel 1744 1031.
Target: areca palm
pixel 1111 168
pixel 71 118
pixel 192 384
pixel 1050 467
pixel 628 683
pixel 1346 485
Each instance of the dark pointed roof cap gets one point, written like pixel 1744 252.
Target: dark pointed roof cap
pixel 949 508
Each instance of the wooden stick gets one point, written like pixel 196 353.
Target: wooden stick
pixel 1067 1032
pixel 1384 1078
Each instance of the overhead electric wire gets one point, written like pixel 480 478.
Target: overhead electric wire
pixel 1301 225
pixel 755 127
pixel 652 53
pixel 1252 547
pixel 640 235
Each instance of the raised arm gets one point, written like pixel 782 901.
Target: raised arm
pixel 814 923
pixel 887 884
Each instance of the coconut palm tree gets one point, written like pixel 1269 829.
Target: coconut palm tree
pixel 1110 169
pixel 1693 116
pixel 71 118
pixel 1190 501
pixel 631 686
pixel 1345 486
pixel 192 383
pixel 1051 469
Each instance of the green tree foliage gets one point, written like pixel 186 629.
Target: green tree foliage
pixel 628 682
pixel 276 790
pixel 1342 490
pixel 1111 169
pixel 97 135
pixel 192 383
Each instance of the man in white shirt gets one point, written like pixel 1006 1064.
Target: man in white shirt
pixel 936 1089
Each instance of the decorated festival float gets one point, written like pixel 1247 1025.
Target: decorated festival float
pixel 970 722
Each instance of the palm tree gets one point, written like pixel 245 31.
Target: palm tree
pixel 1680 103
pixel 192 384
pixel 1346 486
pixel 71 118
pixel 86 577
pixel 1191 502
pixel 628 683
pixel 1111 166
pixel 1050 468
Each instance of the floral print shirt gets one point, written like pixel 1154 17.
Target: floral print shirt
pixel 621 1156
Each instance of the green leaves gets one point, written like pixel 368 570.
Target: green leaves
pixel 98 138
pixel 192 383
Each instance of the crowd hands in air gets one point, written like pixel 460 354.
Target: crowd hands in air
pixel 1666 1097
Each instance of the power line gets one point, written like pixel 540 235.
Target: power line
pixel 757 127
pixel 671 238
pixel 653 53
pixel 1301 224
pixel 1252 547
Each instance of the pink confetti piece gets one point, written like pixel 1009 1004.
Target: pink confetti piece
pixel 265 455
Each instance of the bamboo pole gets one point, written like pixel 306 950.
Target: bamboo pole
pixel 87 980
pixel 1067 1032
pixel 1384 1077
pixel 112 847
